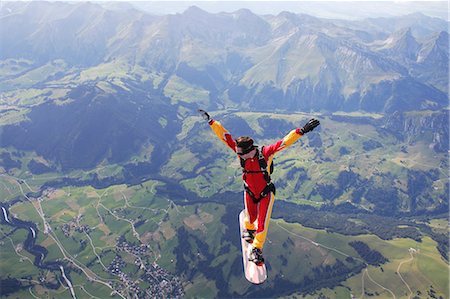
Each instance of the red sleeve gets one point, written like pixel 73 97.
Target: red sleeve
pixel 230 142
pixel 269 150
pixel 288 140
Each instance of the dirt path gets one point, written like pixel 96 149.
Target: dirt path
pixel 401 277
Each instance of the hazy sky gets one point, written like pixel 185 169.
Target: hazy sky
pixel 325 9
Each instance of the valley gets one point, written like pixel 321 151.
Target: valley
pixel 90 230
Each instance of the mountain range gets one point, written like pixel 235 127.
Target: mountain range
pixel 301 61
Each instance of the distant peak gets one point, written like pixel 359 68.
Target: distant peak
pixel 417 15
pixel 443 35
pixel 404 31
pixel 296 17
pixel 244 11
pixel 287 15
pixel 194 10
pixel 404 34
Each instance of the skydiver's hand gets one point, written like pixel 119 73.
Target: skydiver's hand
pixel 205 115
pixel 310 125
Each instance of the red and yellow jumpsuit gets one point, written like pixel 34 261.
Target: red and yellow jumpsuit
pixel 257 212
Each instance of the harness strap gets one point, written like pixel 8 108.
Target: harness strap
pixel 269 188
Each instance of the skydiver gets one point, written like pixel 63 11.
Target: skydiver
pixel 259 190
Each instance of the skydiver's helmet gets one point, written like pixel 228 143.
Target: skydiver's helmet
pixel 244 145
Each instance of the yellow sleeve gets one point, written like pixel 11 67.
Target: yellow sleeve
pixel 281 144
pixel 223 134
pixel 290 138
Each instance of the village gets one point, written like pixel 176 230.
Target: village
pixel 160 283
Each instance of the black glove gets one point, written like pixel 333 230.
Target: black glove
pixel 204 114
pixel 310 125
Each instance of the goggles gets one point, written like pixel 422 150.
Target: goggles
pixel 243 153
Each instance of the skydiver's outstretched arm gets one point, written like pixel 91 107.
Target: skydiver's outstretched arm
pixel 219 130
pixel 290 138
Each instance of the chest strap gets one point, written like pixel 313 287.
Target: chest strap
pixel 262 165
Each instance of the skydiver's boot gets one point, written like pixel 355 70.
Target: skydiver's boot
pixel 256 256
pixel 249 235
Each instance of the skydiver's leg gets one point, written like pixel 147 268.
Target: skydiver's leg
pixel 264 214
pixel 251 212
